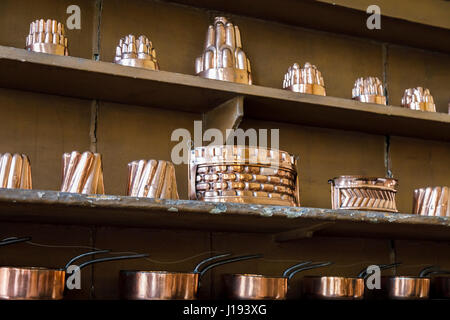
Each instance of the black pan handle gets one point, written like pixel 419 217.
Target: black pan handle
pixel 235 259
pixel 363 273
pixel 308 267
pixel 12 240
pixel 425 271
pixel 205 261
pixel 84 255
pixel 134 256
pixel 295 266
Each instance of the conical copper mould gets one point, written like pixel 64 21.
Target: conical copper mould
pixel 432 201
pixel 82 173
pixel 152 179
pixel 47 36
pixel 15 171
pixel 370 90
pixel 418 99
pixel 136 52
pixel 363 193
pixel 304 80
pixel 244 175
pixel 223 57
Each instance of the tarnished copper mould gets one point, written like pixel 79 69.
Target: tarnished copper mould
pixel 82 173
pixel 223 57
pixel 138 52
pixel 369 89
pixel 152 179
pixel 418 99
pixel 15 171
pixel 363 193
pixel 304 80
pixel 259 287
pixel 163 285
pixel 47 37
pixel 243 174
pixel 432 201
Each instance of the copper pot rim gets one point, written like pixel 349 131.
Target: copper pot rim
pixel 159 272
pixel 254 275
pixel 405 277
pixel 33 268
pixel 333 277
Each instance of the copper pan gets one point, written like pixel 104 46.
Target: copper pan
pixel 163 285
pixel 259 287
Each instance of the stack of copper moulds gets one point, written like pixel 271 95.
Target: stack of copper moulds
pixel 369 89
pixel 134 52
pixel 243 174
pixel 363 193
pixel 418 99
pixel 82 173
pixel 152 179
pixel 223 57
pixel 432 201
pixel 47 37
pixel 15 171
pixel 304 80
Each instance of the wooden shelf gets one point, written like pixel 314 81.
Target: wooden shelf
pixel 284 223
pixel 82 78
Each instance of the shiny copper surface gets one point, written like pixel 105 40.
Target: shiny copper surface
pixel 304 80
pixel 432 201
pixel 138 52
pixel 406 288
pixel 369 89
pixel 418 99
pixel 47 36
pixel 82 173
pixel 15 171
pixel 255 287
pixel 364 193
pixel 223 57
pixel 333 288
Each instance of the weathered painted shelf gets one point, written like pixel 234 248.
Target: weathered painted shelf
pixel 284 223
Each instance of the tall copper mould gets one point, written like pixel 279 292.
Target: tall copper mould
pixel 243 174
pixel 432 201
pixel 363 193
pixel 152 179
pixel 223 57
pixel 136 52
pixel 304 80
pixel 15 171
pixel 47 36
pixel 370 90
pixel 82 173
pixel 418 99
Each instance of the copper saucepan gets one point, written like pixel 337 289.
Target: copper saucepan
pixel 259 287
pixel 38 283
pixel 162 285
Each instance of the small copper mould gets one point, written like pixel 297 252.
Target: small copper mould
pixel 432 201
pixel 369 90
pixel 138 53
pixel 82 173
pixel 363 193
pixel 15 171
pixel 152 179
pixel 223 57
pixel 304 80
pixel 418 99
pixel 47 37
pixel 243 174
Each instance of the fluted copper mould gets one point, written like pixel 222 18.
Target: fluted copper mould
pixel 363 193
pixel 260 287
pixel 418 99
pixel 243 174
pixel 369 89
pixel 304 80
pixel 152 179
pixel 164 285
pixel 432 201
pixel 47 36
pixel 138 52
pixel 223 57
pixel 82 173
pixel 15 171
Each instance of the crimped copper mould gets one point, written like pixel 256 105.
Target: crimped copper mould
pixel 243 174
pixel 82 173
pixel 304 80
pixel 432 201
pixel 138 52
pixel 363 193
pixel 418 99
pixel 369 89
pixel 152 179
pixel 223 57
pixel 15 171
pixel 47 37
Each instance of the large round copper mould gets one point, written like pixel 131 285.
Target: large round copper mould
pixel 15 171
pixel 432 201
pixel 363 193
pixel 304 80
pixel 418 99
pixel 82 173
pixel 260 287
pixel 47 36
pixel 243 174
pixel 136 52
pixel 369 90
pixel 164 285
